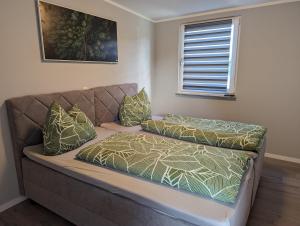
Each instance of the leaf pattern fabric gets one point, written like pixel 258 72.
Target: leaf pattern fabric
pixel 226 134
pixel 207 171
pixel 61 133
pixel 135 109
pixel 83 121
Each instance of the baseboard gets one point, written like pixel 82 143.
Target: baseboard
pixel 283 158
pixel 12 203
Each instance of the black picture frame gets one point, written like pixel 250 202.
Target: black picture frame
pixel 69 35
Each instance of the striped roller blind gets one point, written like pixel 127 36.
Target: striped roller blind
pixel 207 57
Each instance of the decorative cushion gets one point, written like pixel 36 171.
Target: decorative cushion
pixel 61 133
pixel 135 109
pixel 83 121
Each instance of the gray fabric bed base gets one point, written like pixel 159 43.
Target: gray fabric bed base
pixel 86 205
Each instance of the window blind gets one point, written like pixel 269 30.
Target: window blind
pixel 206 57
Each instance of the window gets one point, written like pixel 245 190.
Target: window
pixel 208 57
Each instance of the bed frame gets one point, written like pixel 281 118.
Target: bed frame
pixel 79 202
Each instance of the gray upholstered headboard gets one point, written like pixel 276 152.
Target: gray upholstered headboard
pixel 27 114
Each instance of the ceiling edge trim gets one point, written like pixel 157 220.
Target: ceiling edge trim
pixel 226 10
pixel 128 10
pixel 232 9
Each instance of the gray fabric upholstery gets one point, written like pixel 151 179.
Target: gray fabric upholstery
pixel 108 100
pixel 85 204
pixel 27 114
pixel 75 200
pixel 187 207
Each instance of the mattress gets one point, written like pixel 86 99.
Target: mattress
pixel 118 127
pixel 177 204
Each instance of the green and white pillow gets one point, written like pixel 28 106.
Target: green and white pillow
pixel 135 109
pixel 62 133
pixel 83 121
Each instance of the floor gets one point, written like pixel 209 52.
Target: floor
pixel 277 202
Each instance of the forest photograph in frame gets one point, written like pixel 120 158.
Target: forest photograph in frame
pixel 69 35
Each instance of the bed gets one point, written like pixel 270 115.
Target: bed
pixel 89 195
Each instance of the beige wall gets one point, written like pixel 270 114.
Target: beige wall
pixel 268 82
pixel 268 74
pixel 22 72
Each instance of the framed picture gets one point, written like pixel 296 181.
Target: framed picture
pixel 69 35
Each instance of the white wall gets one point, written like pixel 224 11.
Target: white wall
pixel 268 81
pixel 22 72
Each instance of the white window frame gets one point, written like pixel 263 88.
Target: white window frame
pixel 233 59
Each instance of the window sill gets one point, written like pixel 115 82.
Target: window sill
pixel 208 95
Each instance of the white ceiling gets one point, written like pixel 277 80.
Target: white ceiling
pixel 165 9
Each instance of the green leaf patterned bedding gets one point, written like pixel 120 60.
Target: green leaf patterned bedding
pixel 135 109
pixel 207 171
pixel 83 121
pixel 226 134
pixel 63 133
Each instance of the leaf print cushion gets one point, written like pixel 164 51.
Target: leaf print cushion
pixel 83 121
pixel 135 109
pixel 61 133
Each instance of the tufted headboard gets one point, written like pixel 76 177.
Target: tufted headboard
pixel 26 115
